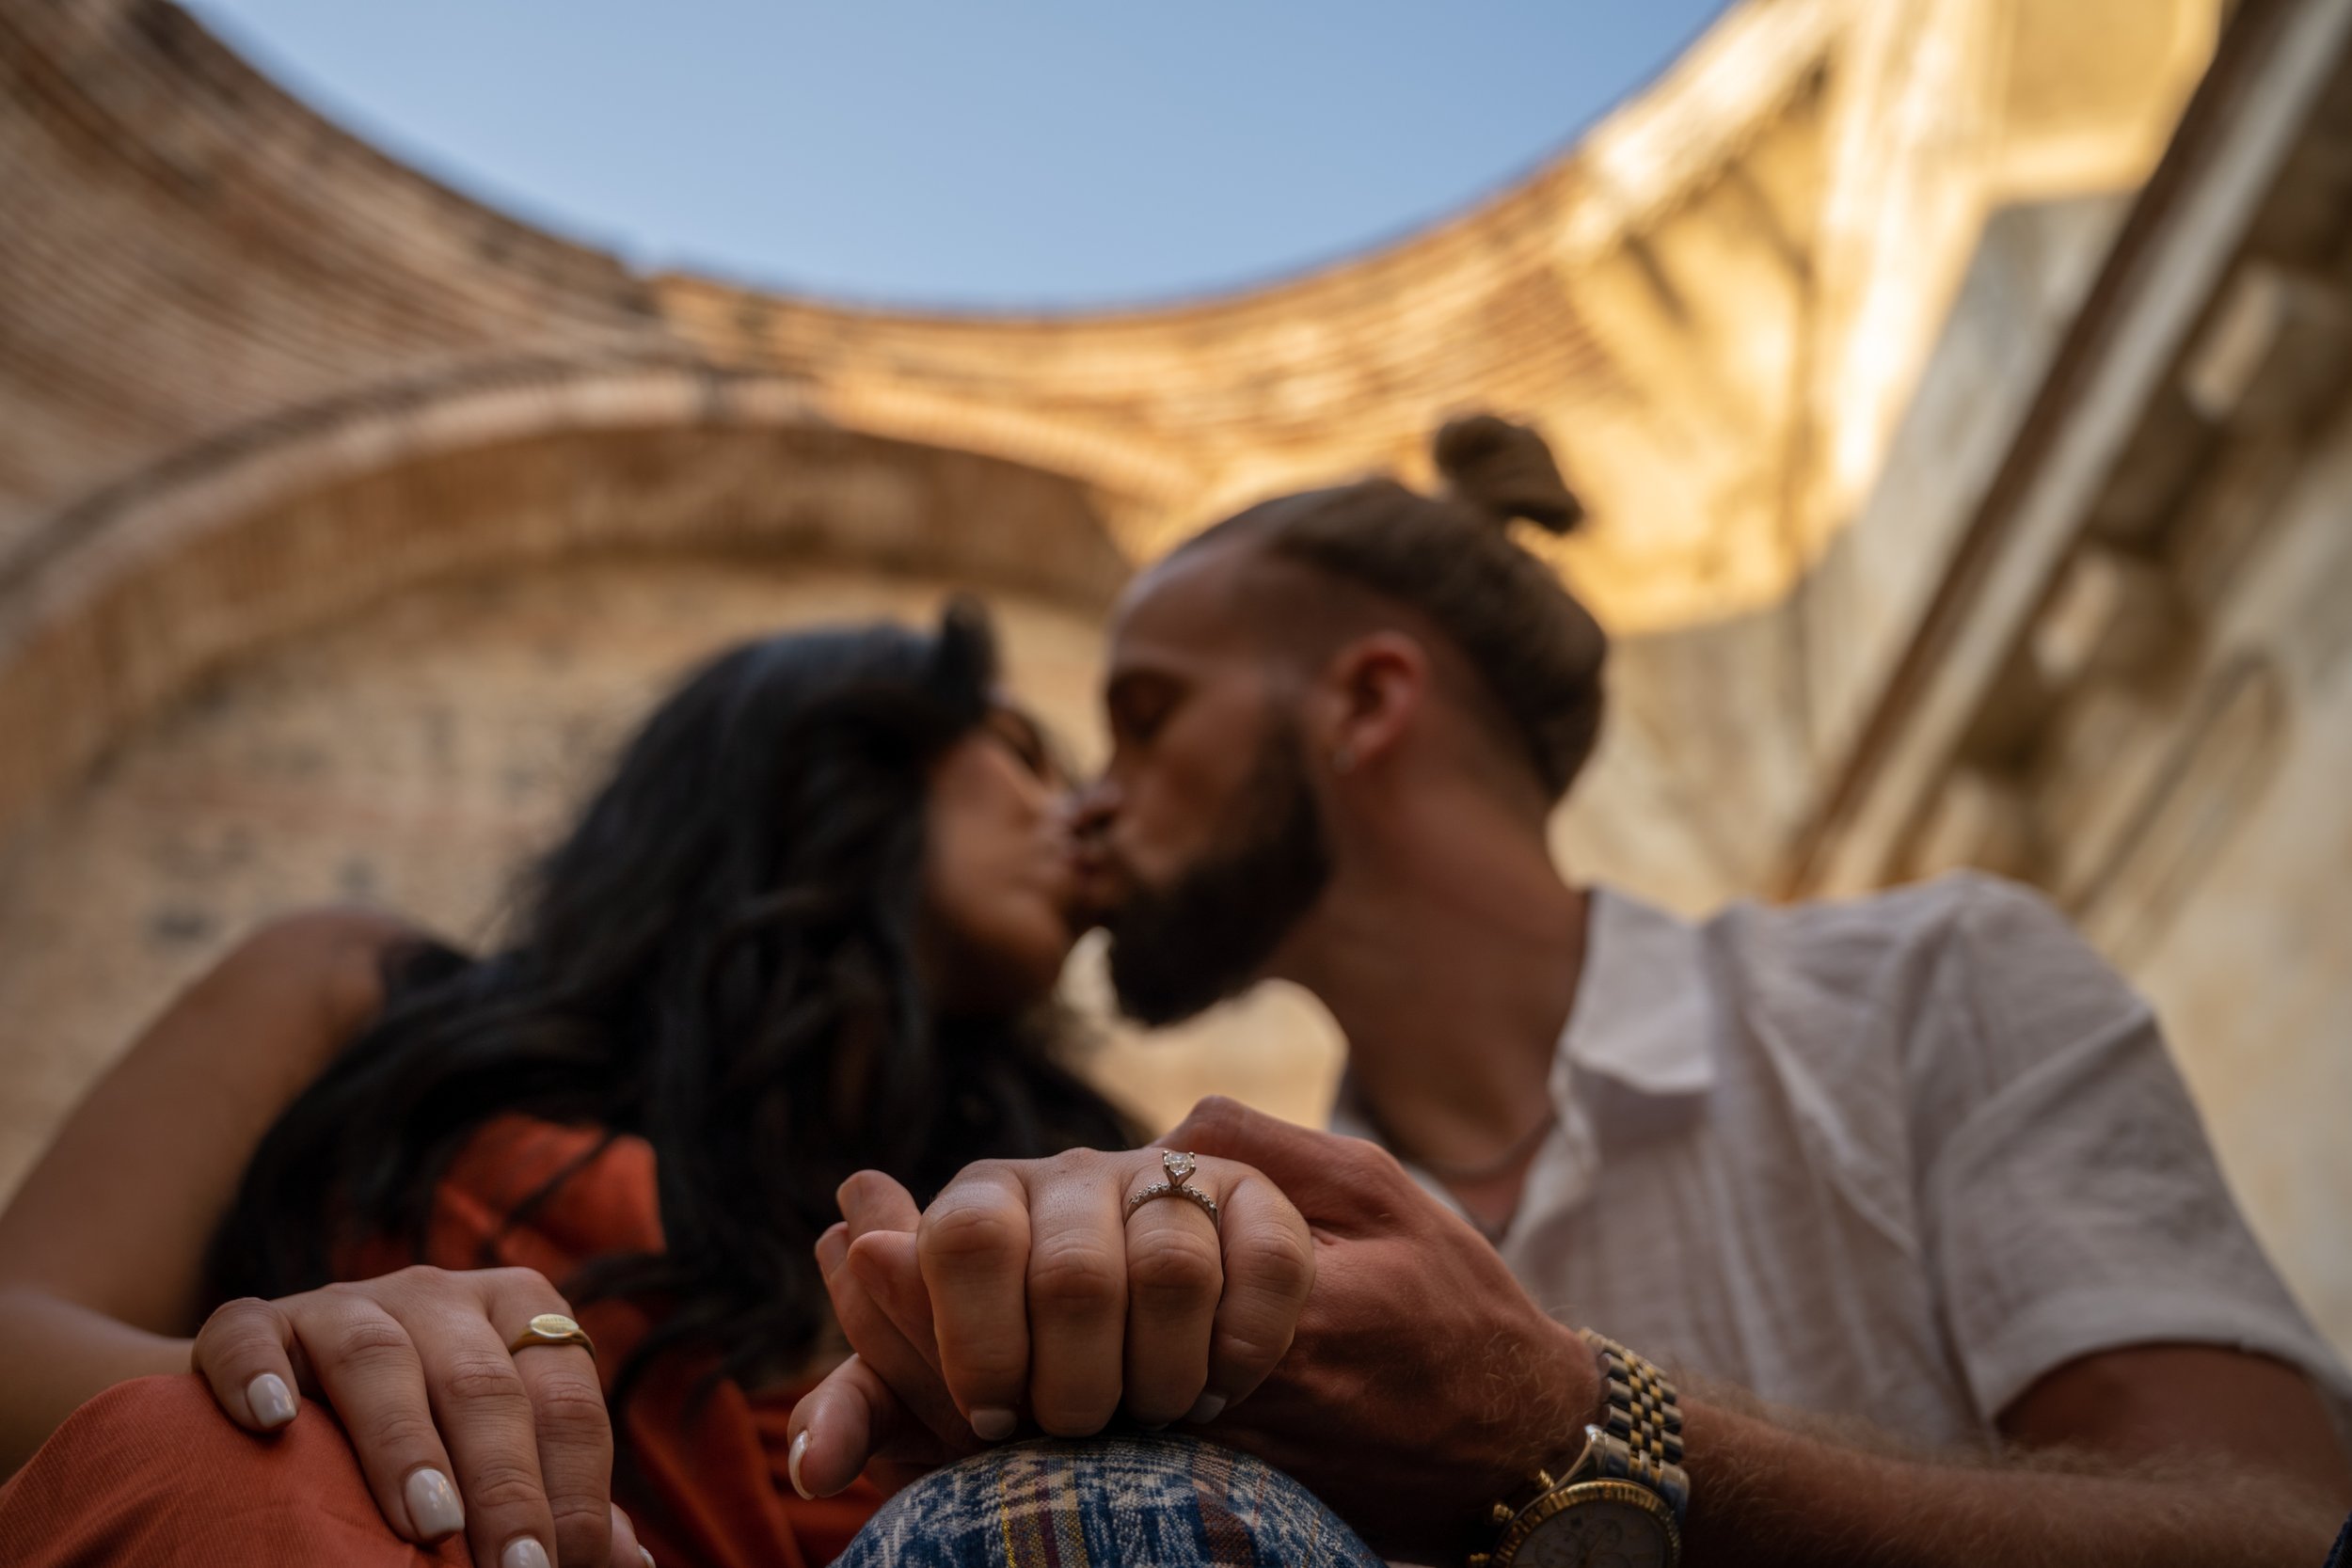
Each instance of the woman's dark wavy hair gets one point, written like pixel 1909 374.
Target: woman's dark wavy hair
pixel 720 958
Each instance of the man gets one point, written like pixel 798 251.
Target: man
pixel 1918 1162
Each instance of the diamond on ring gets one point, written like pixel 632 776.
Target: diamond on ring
pixel 1179 1167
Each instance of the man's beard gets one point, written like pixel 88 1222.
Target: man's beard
pixel 1178 950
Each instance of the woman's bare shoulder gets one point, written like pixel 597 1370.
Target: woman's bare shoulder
pixel 332 956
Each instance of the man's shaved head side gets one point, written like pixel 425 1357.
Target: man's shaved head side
pixel 1535 653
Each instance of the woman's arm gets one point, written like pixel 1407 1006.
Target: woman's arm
pixel 102 1251
pixel 102 1258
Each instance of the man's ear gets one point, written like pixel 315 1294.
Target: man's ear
pixel 1372 688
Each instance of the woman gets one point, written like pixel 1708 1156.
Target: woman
pixel 810 925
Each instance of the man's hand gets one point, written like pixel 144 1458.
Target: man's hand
pixel 1424 1384
pixel 1028 1292
pixel 452 1430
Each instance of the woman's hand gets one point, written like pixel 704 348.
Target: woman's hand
pixel 452 1431
pixel 1030 1291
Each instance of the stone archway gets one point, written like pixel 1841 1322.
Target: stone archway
pixel 190 567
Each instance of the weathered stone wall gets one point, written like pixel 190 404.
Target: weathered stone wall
pixel 2233 905
pixel 2120 568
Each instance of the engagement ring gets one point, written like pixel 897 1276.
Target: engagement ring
pixel 1179 1167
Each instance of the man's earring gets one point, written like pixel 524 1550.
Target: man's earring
pixel 1343 760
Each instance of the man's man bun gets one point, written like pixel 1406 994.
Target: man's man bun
pixel 1505 470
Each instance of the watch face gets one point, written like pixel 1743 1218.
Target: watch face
pixel 1601 1533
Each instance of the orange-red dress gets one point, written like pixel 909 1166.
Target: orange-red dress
pixel 151 1472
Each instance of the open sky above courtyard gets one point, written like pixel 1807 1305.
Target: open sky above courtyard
pixel 1024 154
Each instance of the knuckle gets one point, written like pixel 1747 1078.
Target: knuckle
pixel 967 1231
pixel 1043 1167
pixel 522 1281
pixel 990 1175
pixel 1237 1174
pixel 1256 1346
pixel 571 1413
pixel 482 1380
pixel 405 1432
pixel 500 1483
pixel 583 1527
pixel 1076 1277
pixel 1214 1116
pixel 1162 1264
pixel 865 1186
pixel 1277 1260
pixel 369 1342
pixel 423 1278
pixel 874 1247
pixel 986 1373
pixel 236 1319
pixel 1361 1160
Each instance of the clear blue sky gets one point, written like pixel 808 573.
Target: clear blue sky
pixel 978 152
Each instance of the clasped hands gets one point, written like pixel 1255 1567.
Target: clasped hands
pixel 1041 1295
pixel 1339 1322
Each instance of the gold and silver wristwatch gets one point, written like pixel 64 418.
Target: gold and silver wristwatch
pixel 1623 1499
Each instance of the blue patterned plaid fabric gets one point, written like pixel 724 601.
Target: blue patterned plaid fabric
pixel 1128 1502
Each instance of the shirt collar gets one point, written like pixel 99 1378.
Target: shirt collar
pixel 1639 1017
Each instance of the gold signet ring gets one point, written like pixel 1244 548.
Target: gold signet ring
pixel 1179 1168
pixel 552 1328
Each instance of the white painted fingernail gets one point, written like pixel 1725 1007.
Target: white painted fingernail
pixel 646 1552
pixel 270 1400
pixel 993 1423
pixel 433 1505
pixel 523 1552
pixel 800 1451
pixel 1208 1407
pixel 625 1534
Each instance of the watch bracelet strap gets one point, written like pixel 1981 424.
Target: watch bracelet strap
pixel 1640 1434
pixel 1638 1439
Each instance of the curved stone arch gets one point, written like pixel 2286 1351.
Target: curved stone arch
pixel 145 589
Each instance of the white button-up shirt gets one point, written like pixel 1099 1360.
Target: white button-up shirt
pixel 1892 1158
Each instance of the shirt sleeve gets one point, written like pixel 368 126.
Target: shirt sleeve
pixel 2071 1201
